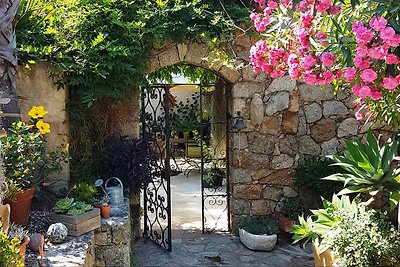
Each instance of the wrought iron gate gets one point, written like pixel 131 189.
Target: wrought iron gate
pixel 157 198
pixel 214 134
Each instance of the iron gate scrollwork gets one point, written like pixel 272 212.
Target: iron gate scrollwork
pixel 157 198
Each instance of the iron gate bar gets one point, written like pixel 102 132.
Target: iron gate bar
pixel 202 161
pixel 153 201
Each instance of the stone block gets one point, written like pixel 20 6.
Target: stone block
pixel 248 74
pixel 308 146
pixel 281 84
pixel 289 192
pixel 256 110
pixel 241 207
pixel 289 145
pixel 279 178
pixel 276 102
pixel 270 126
pixel 261 144
pixel 290 123
pixel 247 89
pixel 261 173
pixel 261 207
pixel 244 41
pixel 101 239
pixel 272 193
pixel 323 130
pixel 239 104
pixel 241 176
pixel 330 147
pixel 247 191
pixel 302 129
pixel 120 235
pixel 282 161
pixel 257 160
pixel 313 112
pixel 240 141
pixel 196 52
pixel 311 93
pixel 182 51
pixel 348 127
pixel 230 74
pixel 335 109
pixel 169 56
pixel 294 103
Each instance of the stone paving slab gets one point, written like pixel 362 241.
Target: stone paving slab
pixel 192 248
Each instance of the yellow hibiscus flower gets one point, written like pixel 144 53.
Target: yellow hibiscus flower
pixel 37 112
pixel 43 127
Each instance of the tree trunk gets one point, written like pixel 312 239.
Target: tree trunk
pixel 8 61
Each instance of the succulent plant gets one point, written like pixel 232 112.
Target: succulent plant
pixel 64 205
pixel 18 232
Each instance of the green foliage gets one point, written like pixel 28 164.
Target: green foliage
pixel 291 207
pixel 71 207
pixel 9 253
pixel 369 168
pixel 25 159
pixel 309 174
pixel 84 192
pixel 17 232
pixel 184 115
pixel 264 225
pixel 367 239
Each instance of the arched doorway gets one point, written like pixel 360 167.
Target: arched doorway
pixel 188 128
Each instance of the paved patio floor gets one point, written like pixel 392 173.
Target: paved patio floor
pixel 192 248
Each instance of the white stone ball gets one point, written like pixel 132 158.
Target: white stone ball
pixel 57 233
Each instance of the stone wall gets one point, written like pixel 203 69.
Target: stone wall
pixel 35 87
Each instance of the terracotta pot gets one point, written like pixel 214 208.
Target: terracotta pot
pixel 285 223
pixel 324 259
pixel 22 247
pixel 21 207
pixel 105 211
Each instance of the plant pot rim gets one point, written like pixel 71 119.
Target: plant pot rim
pixel 241 229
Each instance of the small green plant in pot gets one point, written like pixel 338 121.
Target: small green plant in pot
pixel 26 162
pixel 258 233
pixel 290 209
pixel 213 177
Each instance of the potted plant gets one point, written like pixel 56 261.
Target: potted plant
pixel 290 209
pixel 105 207
pixel 258 233
pixel 213 177
pixel 26 162
pixel 345 233
pixel 20 236
pixel 9 252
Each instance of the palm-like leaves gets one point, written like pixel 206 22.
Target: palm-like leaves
pixel 369 168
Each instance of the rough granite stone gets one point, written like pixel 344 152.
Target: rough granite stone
pixel 262 144
pixel 335 109
pixel 289 192
pixel 261 207
pixel 247 89
pixel 348 127
pixel 281 84
pixel 330 147
pixel 290 123
pixel 256 110
pixel 270 126
pixel 289 145
pixel 302 128
pixel 323 130
pixel 272 193
pixel 276 102
pixel 313 112
pixel 278 178
pixel 312 93
pixel 247 191
pixel 282 161
pixel 57 233
pixel 241 207
pixel 308 146
pixel 241 176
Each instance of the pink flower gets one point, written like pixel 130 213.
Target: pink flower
pixel 390 83
pixel 334 10
pixel 322 38
pixel 306 20
pixel 272 4
pixel 309 78
pixel 355 89
pixel 361 63
pixel 362 50
pixel 377 52
pixel 294 72
pixel 376 95
pixel 359 116
pixel 339 74
pixel 349 74
pixel 358 25
pixel 368 75
pixel 394 41
pixel 364 91
pixel 387 33
pixel 392 59
pixel 308 62
pixel 328 76
pixel 364 36
pixel 378 23
pixel 328 59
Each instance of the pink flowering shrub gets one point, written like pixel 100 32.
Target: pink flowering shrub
pixel 327 41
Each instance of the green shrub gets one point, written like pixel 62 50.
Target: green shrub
pixel 291 207
pixel 84 192
pixel 309 174
pixel 259 225
pixel 9 253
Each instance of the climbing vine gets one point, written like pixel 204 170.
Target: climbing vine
pixel 101 48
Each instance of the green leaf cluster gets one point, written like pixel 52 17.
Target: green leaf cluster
pixel 9 252
pixel 369 167
pixel 71 207
pixel 264 225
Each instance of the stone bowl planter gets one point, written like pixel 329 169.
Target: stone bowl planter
pixel 258 242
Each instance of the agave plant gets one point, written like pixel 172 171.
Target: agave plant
pixel 369 168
